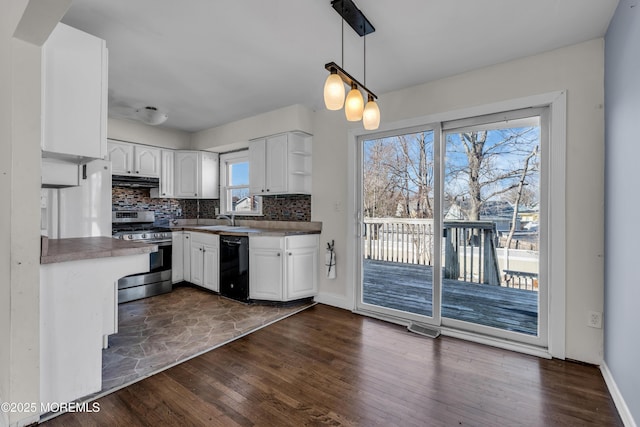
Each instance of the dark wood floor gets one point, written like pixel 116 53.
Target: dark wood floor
pixel 327 366
pixel 408 287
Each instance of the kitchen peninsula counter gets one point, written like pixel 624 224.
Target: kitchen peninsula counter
pixel 81 248
pixel 79 309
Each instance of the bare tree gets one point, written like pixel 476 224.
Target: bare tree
pixel 480 170
pixel 516 205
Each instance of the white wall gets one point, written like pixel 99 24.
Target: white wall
pixel 20 102
pixel 580 70
pixel 130 131
pixel 236 135
pixel 622 293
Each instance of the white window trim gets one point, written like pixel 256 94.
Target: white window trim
pixel 556 255
pixel 233 157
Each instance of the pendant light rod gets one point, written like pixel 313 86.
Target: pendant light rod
pixel 346 77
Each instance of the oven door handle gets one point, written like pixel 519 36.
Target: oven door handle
pixel 161 244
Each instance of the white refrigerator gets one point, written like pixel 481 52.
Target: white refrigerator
pixel 81 211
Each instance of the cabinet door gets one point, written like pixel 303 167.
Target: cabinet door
pixel 146 161
pixel 177 257
pixel 187 173
pixel 265 274
pixel 209 176
pixel 166 173
pixel 186 256
pixel 74 89
pixel 121 157
pixel 276 165
pixel 302 267
pixel 211 275
pixel 197 263
pixel 257 163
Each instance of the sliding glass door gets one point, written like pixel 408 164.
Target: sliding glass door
pixel 399 226
pixel 451 222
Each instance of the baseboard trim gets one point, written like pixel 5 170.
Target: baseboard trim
pixel 339 301
pixel 618 399
pixel 496 342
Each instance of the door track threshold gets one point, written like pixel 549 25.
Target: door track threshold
pixel 423 330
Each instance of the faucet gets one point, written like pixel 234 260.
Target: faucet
pixel 232 220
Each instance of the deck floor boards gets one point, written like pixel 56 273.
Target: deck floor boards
pixel 409 287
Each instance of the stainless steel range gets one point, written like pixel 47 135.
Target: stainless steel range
pixel 140 226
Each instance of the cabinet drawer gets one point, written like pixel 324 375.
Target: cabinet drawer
pixel 302 241
pixel 266 242
pixel 206 239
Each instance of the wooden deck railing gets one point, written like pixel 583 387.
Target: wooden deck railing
pixel 469 248
pixel 399 240
pixel 470 252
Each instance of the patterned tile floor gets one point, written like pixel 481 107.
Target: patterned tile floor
pixel 156 333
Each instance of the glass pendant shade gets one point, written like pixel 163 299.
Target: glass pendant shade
pixel 333 92
pixel 371 115
pixel 354 105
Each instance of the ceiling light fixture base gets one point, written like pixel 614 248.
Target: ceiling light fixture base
pixel 353 16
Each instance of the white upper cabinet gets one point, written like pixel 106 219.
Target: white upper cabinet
pixel 146 161
pixel 280 164
pixel 74 92
pixel 121 156
pixel 196 175
pixel 134 159
pixel 166 173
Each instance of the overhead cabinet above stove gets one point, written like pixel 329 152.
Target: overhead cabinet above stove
pixel 134 159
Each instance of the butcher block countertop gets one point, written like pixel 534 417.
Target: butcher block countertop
pixel 75 249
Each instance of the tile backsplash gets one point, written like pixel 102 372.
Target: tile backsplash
pixel 274 208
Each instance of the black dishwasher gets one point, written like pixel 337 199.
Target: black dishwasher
pixel 234 267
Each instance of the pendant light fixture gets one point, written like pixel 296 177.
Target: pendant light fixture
pixel 334 92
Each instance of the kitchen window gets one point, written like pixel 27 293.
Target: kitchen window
pixel 234 185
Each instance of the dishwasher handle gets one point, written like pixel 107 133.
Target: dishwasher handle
pixel 231 242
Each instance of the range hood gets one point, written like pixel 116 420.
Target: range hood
pixel 134 181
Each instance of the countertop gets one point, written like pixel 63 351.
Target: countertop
pixel 254 228
pixel 243 231
pixel 63 250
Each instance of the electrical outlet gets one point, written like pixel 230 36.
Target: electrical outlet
pixel 595 319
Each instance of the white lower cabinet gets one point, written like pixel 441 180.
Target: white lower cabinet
pixel 280 268
pixel 266 268
pixel 177 256
pixel 283 268
pixel 201 255
pixel 302 267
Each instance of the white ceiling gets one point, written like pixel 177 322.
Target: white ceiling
pixel 210 62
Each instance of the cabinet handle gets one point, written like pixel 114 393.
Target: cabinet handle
pixel 289 253
pixel 267 190
pixel 196 194
pixel 278 253
pixel 164 194
pixel 128 171
pixel 186 237
pixel 137 171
